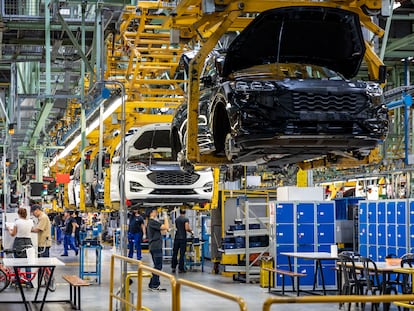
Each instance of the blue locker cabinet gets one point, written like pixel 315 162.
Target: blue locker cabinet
pixel 372 212
pixel 382 234
pixel 402 236
pixel 372 234
pixel 382 253
pixel 411 235
pixel 401 212
pixel 372 252
pixel 284 213
pixel 306 234
pixel 391 212
pixel 381 212
pixel 325 213
pixel 325 232
pixel 329 274
pixel 411 213
pixel 363 212
pixel 363 234
pixel 303 227
pixel 283 248
pixel 288 280
pixel 305 213
pixel 401 251
pixel 363 250
pixel 309 270
pixel 285 234
pixel 391 231
pixel 392 235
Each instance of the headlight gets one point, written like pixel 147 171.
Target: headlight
pixel 375 91
pixel 245 86
pixel 136 167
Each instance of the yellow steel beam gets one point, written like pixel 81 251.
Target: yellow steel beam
pixel 342 162
pixel 196 66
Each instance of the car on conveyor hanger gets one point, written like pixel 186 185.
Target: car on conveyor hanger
pixel 153 177
pixel 282 91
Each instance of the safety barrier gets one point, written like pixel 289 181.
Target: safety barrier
pixel 335 299
pixel 140 270
pixel 175 287
pixel 177 284
pixel 130 275
pixel 180 282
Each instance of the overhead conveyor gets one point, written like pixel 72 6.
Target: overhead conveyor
pixel 207 21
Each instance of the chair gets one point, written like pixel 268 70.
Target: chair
pixel 374 283
pixel 352 284
pixel 402 279
pixel 407 260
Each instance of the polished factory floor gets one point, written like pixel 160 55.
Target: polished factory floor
pixel 96 297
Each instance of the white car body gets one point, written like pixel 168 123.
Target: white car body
pixel 152 178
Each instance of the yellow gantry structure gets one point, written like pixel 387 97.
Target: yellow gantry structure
pixel 208 24
pixel 144 54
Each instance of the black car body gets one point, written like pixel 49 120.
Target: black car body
pixel 282 92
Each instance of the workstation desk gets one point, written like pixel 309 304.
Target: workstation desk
pixel 317 257
pixel 40 263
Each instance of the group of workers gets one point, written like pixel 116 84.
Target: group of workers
pixel 154 230
pixel 137 231
pixel 22 228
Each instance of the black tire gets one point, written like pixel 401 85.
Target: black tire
pixel 4 280
pixel 221 127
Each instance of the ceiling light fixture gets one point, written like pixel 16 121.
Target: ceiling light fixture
pixel 94 124
pixel 11 128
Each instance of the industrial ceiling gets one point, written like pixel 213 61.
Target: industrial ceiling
pixel 42 52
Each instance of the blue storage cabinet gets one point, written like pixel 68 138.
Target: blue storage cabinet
pixel 381 212
pixel 285 212
pixel 305 227
pixel 410 233
pixel 306 281
pixel 285 234
pixel 305 213
pixel 382 234
pixel 363 212
pixel 391 212
pixel 385 228
pixel 325 213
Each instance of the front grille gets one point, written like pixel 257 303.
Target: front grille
pixel 175 178
pixel 312 102
pixel 173 192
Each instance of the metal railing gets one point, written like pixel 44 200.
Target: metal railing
pixel 336 299
pixel 182 282
pixel 140 274
pixel 175 287
pixel 35 9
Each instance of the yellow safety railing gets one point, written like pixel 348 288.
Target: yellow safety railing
pixel 140 274
pixel 180 282
pixel 175 286
pixel 130 275
pixel 335 299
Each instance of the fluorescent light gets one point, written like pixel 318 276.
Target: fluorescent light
pixel 94 124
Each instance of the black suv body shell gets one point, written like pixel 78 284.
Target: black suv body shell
pixel 281 91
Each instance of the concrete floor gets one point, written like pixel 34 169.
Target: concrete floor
pixel 96 297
